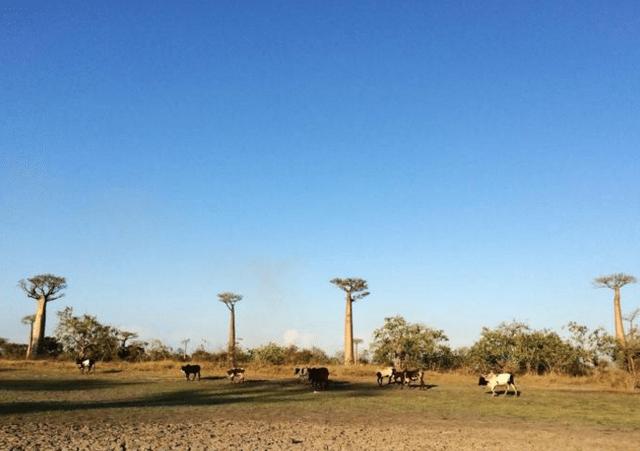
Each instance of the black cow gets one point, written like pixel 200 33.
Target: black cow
pixel 85 364
pixel 318 377
pixel 191 369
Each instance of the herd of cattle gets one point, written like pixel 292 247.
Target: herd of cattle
pixel 318 378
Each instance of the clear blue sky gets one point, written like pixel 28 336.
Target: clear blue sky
pixel 474 163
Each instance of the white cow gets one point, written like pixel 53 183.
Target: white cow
pixel 499 380
pixel 388 372
pixel 302 373
pixel 85 365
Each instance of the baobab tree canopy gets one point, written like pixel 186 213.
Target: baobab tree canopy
pixel 614 281
pixel 44 286
pixel 354 286
pixel 229 299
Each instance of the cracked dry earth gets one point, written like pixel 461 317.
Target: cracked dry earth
pixel 276 435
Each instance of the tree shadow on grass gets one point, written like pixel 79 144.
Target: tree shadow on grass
pixel 61 384
pixel 268 392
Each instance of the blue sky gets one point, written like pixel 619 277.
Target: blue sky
pixel 475 163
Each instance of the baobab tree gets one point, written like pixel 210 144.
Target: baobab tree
pixel 229 299
pixel 124 352
pixel 633 331
pixel 615 282
pixel 354 289
pixel 125 335
pixel 44 288
pixel 356 342
pixel 185 343
pixel 29 319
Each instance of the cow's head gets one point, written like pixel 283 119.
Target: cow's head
pixel 482 381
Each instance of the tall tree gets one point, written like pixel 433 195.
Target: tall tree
pixel 356 342
pixel 354 289
pixel 44 288
pixel 185 343
pixel 230 299
pixel 29 319
pixel 615 282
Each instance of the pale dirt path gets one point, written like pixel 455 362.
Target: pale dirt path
pixel 302 435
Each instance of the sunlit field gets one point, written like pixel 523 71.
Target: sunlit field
pixel 133 406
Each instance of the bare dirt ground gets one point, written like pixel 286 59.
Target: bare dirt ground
pixel 221 434
pixel 125 408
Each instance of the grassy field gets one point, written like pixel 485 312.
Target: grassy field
pixel 56 394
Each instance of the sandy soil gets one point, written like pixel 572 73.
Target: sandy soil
pixel 274 435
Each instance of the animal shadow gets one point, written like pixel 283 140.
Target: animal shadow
pixel 212 378
pixel 505 393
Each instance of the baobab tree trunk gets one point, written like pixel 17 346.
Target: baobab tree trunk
pixel 37 331
pixel 232 337
pixel 29 346
pixel 348 333
pixel 617 311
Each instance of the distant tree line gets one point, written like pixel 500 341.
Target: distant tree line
pixel 510 346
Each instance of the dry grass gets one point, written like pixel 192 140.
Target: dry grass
pixel 156 393
pixel 606 381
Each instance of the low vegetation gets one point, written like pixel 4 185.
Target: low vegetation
pixel 122 394
pixel 513 347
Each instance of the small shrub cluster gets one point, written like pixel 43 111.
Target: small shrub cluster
pixel 511 347
pixel 274 354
